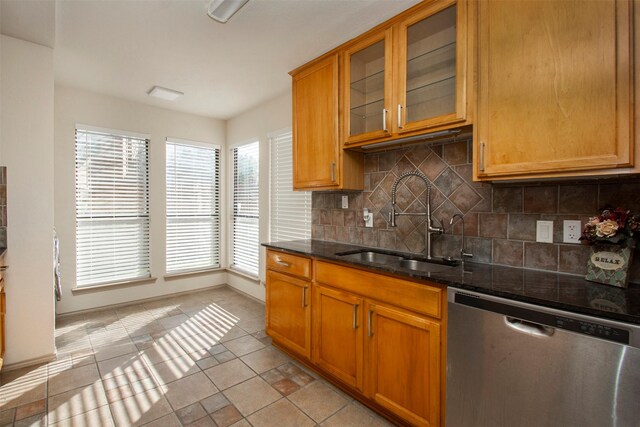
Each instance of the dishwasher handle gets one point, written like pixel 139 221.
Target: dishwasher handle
pixel 529 327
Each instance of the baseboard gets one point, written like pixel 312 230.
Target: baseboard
pixel 139 301
pixel 244 294
pixel 30 362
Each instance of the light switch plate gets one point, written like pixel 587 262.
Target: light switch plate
pixel 544 231
pixel 368 218
pixel 345 202
pixel 571 231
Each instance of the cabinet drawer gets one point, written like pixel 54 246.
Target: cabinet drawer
pixel 287 263
pixel 399 292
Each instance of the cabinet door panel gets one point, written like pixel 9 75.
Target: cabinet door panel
pixel 337 334
pixel 403 364
pixel 288 314
pixel 367 86
pixel 555 87
pixel 315 126
pixel 432 67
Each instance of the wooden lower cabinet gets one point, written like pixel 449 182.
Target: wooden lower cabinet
pixel 3 310
pixel 383 338
pixel 337 334
pixel 288 312
pixel 403 363
pixel 379 337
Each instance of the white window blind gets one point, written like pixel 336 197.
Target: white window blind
pixel 193 206
pixel 290 211
pixel 245 208
pixel 112 207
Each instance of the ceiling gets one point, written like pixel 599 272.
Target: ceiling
pixel 124 47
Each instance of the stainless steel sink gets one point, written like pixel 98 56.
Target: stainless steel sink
pixel 399 261
pixel 424 266
pixel 372 257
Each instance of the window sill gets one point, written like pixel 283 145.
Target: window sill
pixel 107 286
pixel 171 276
pixel 243 274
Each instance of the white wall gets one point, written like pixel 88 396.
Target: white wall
pixel 258 123
pixel 74 106
pixel 26 148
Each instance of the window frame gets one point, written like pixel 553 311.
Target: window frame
pixel 82 128
pixel 219 196
pixel 273 138
pixel 231 216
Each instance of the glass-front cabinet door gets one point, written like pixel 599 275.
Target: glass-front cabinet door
pixel 367 88
pixel 431 49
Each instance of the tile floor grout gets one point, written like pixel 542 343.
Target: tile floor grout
pixel 198 359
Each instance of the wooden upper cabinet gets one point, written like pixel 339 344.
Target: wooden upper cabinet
pixel 318 159
pixel 407 78
pixel 431 61
pixel 366 84
pixel 555 88
pixel 315 125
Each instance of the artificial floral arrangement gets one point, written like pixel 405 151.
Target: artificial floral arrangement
pixel 613 235
pixel 617 226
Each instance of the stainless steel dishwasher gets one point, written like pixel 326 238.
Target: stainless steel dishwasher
pixel 512 364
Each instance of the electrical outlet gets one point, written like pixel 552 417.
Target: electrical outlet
pixel 368 218
pixel 544 231
pixel 571 231
pixel 345 202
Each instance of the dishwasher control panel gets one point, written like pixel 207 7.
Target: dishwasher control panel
pixel 592 328
pixel 577 325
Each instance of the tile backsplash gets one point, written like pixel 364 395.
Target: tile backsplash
pixel 499 219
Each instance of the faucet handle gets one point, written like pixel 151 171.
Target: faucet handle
pixel 392 217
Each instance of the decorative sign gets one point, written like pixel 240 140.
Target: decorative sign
pixel 609 264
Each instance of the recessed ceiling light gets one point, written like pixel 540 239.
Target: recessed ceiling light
pixel 223 10
pixel 164 93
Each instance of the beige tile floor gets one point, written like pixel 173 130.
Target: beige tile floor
pixel 201 359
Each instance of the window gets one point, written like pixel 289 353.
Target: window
pixel 112 207
pixel 245 225
pixel 193 206
pixel 290 210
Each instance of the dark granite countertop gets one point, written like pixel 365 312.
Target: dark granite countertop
pixel 555 290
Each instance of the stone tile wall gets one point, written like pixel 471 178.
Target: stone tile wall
pixel 499 219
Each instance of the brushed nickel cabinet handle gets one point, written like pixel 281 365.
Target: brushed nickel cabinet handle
pixel 304 297
pixel 370 323
pixel 384 119
pixel 355 316
pixel 400 116
pixel 481 167
pixel 333 171
pixel 283 263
